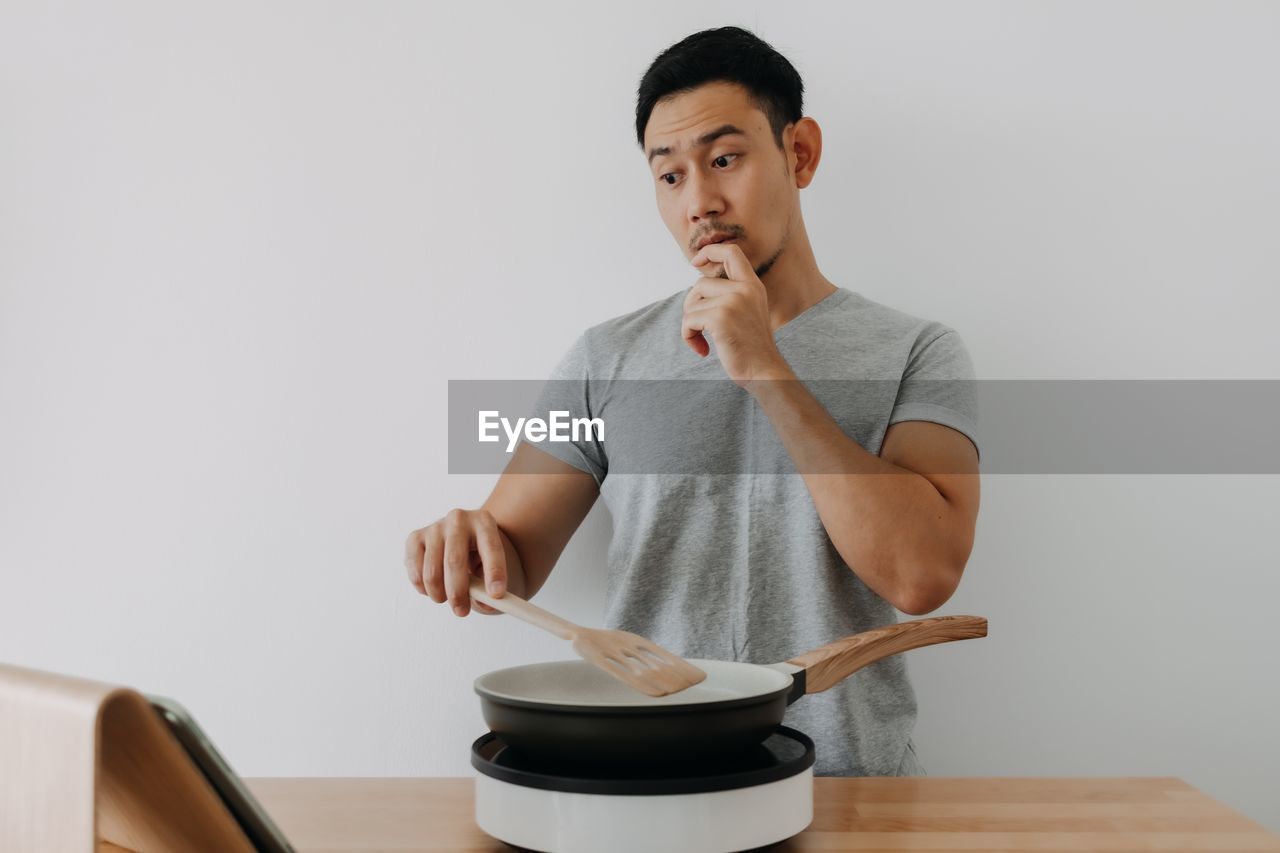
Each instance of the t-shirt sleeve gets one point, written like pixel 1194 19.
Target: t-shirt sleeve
pixel 568 389
pixel 939 385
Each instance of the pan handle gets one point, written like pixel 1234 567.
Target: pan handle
pixel 826 666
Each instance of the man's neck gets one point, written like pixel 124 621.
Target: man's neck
pixel 794 283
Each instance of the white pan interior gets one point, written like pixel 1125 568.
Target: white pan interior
pixel 576 682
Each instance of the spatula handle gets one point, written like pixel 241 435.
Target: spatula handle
pixel 516 606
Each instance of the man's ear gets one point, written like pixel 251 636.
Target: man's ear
pixel 805 150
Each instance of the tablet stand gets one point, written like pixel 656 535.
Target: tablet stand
pixel 88 766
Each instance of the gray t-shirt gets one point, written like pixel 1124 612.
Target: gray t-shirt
pixel 736 564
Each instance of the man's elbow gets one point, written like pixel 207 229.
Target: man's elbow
pixel 922 598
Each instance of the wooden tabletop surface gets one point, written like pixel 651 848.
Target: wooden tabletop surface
pixel 879 813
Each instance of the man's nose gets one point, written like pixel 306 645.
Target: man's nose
pixel 705 200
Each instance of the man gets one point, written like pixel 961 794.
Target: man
pixel 878 499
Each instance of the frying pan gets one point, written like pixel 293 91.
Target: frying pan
pixel 573 712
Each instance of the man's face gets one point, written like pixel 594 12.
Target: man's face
pixel 718 171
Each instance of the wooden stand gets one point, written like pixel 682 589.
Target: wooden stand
pixel 88 766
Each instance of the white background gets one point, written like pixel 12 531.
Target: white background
pixel 244 247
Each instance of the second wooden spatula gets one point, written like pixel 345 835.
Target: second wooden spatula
pixel 630 658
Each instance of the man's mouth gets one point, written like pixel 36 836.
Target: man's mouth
pixel 716 238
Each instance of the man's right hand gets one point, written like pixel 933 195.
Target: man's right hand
pixel 540 500
pixel 442 557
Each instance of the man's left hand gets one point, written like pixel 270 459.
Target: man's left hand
pixel 734 309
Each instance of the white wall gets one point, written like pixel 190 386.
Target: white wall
pixel 243 248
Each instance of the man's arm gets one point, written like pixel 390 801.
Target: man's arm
pixel 514 538
pixel 539 502
pixel 904 521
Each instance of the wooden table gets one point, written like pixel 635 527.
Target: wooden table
pixel 880 813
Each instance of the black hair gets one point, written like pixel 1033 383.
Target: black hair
pixel 728 54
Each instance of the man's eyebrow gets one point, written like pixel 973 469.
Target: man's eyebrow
pixel 704 139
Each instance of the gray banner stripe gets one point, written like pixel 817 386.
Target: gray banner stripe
pixel 1181 426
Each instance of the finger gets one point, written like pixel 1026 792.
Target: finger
pixel 705 289
pixel 457 574
pixel 477 571
pixel 492 555
pixel 433 563
pixel 715 270
pixel 692 296
pixel 692 325
pixel 413 560
pixel 728 254
pixel 481 607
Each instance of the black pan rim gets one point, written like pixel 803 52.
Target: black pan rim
pixel 649 787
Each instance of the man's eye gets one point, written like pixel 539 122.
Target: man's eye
pixel 671 175
pixel 723 157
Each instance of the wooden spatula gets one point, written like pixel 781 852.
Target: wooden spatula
pixel 628 657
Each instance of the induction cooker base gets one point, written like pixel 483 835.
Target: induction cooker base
pixel 746 800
